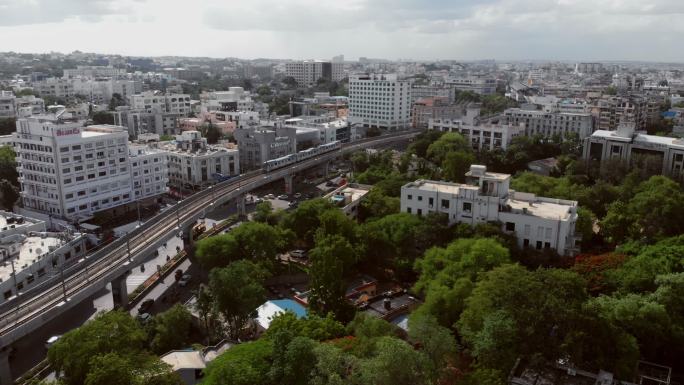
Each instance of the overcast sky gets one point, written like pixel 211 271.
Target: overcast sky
pixel 418 29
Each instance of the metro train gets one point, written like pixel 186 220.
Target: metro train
pixel 300 156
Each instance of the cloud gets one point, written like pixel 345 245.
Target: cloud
pixel 27 12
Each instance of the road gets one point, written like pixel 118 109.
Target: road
pixel 25 313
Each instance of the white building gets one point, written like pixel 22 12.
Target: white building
pixel 627 144
pixel 101 90
pixel 307 72
pixel 70 171
pixel 380 100
pixel 482 85
pixel 149 170
pixel 93 71
pixel 551 122
pixel 235 99
pixel 260 144
pixel 480 136
pixel 150 102
pixel 55 87
pixel 194 163
pixel 30 254
pixel 28 105
pixel 537 222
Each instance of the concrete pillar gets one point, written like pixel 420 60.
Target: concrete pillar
pixel 289 184
pixel 120 291
pixel 241 205
pixel 5 369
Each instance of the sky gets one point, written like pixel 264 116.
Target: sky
pixel 645 30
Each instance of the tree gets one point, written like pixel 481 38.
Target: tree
pixel 434 340
pixel 330 262
pixel 305 219
pixel 103 117
pixel 9 194
pixel 171 329
pixel 390 242
pixel 238 291
pixel 244 242
pixel 116 101
pixel 289 81
pixel 376 205
pixel 450 142
pixel 293 359
pixel 8 126
pixel 515 313
pixel 211 132
pixel 8 165
pixel 112 332
pixel 243 364
pixel 456 164
pixel 262 212
pixel 652 213
pixel 392 362
pixel 314 327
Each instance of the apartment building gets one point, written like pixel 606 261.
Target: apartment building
pixel 7 104
pixel 155 102
pixel 380 100
pixel 140 121
pixel 28 105
pixel 149 171
pixel 550 122
pixel 432 91
pixel 93 72
pixel 537 222
pixel 235 99
pixel 627 145
pixel 70 171
pixel 307 72
pixel 479 84
pixel 641 110
pixel 481 136
pixel 101 90
pixel 194 164
pixel 260 144
pixel 55 87
pixel 437 107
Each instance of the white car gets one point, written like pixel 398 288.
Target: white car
pixel 185 279
pixel 51 341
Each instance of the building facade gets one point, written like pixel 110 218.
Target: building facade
pixel 380 101
pixel 482 85
pixel 550 123
pixel 260 144
pixel 537 222
pixel 307 72
pixel 481 136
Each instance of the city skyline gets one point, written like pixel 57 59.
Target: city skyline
pixel 582 30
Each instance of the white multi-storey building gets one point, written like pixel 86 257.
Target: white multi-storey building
pixel 380 100
pixel 550 122
pixel 93 71
pixel 149 170
pixel 482 85
pixel 626 144
pixel 235 99
pixel 101 90
pixel 161 103
pixel 537 222
pixel 194 163
pixel 307 72
pixel 26 106
pixel 70 171
pixel 480 136
pixel 55 87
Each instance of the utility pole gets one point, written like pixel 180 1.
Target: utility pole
pixel 61 273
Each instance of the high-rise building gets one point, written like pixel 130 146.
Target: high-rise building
pixel 380 100
pixel 307 72
pixel 70 171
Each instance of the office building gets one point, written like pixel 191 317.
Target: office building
pixel 70 171
pixel 481 136
pixel 235 99
pixel 93 72
pixel 628 145
pixel 307 72
pixel 433 91
pixel 641 110
pixel 7 104
pixel 156 102
pixel 482 85
pixel 260 144
pixel 537 222
pixel 380 101
pixel 55 87
pixel 195 164
pixel 550 122
pixel 438 107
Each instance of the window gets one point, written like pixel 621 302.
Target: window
pixel 445 203
pixel 526 243
pixel 408 210
pixel 510 226
pixel 419 212
pixel 547 245
pixel 467 207
pixel 409 197
pixel 528 230
pixel 539 245
pixel 431 201
pixel 548 233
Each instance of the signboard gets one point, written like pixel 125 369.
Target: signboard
pixel 67 132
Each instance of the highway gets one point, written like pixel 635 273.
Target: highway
pixel 104 265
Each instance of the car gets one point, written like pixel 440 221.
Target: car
pixel 146 305
pixel 293 204
pixel 298 253
pixel 144 317
pixel 269 196
pixel 283 197
pixel 258 200
pixel 184 280
pixel 51 341
pixel 297 195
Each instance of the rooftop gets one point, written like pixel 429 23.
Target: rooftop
pixel 547 208
pixel 270 309
pixel 30 249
